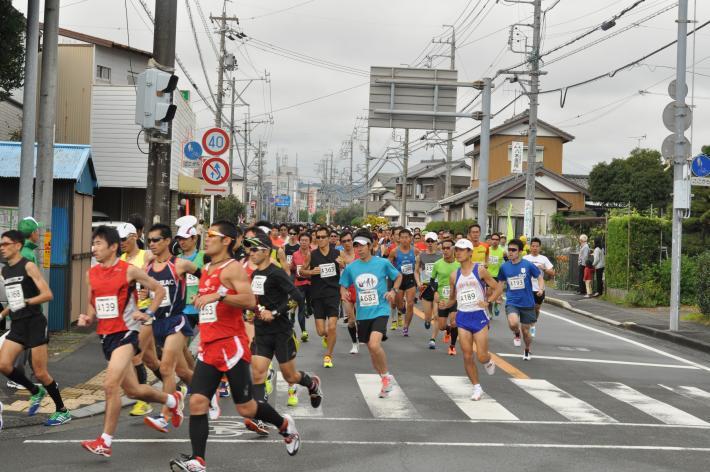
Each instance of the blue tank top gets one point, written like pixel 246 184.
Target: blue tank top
pixel 404 262
pixel 174 301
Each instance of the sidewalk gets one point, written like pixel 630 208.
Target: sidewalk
pixel 649 321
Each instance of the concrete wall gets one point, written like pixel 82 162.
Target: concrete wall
pixel 10 119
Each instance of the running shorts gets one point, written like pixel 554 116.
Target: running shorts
pixel 283 345
pixel 365 327
pixel 223 354
pixel 428 293
pixel 206 379
pixel 539 298
pixel 111 342
pixel 447 311
pixel 472 321
pixel 408 281
pixel 164 327
pixel 328 307
pixel 30 332
pixel 527 315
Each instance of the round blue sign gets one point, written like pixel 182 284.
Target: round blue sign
pixel 193 150
pixel 700 165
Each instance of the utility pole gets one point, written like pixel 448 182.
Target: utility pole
pixel 44 182
pixel 367 174
pixel 246 153
pixel 352 157
pixel 223 19
pixel 405 171
pixel 231 144
pixel 259 184
pixel 450 135
pixel 158 182
pixel 529 214
pixel 330 189
pixel 484 153
pixel 29 115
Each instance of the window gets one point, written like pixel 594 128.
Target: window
pixel 103 73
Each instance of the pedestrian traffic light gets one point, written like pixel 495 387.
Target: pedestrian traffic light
pixel 154 99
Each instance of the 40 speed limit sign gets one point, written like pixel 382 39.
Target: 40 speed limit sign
pixel 215 141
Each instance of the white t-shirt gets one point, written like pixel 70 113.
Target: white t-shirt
pixel 542 263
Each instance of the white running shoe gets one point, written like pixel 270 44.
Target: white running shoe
pixel 527 356
pixel 291 436
pixel 490 367
pixel 215 411
pixel 517 342
pixel 16 386
pixel 533 331
pixel 477 393
pixel 355 349
pixel 188 464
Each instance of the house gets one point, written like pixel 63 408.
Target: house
pixel 416 212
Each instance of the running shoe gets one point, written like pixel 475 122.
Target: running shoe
pixel 447 338
pixel 527 356
pixel 355 349
pixel 58 418
pixel 477 393
pixel 400 321
pixel 432 344
pixel 387 386
pixel 393 326
pixel 36 401
pixel 292 396
pixel 327 362
pixel 223 390
pixel 141 408
pixel 452 350
pixel 215 411
pixel 188 464
pixel 158 423
pixel 15 385
pixel 304 337
pixel 257 426
pixel 291 436
pixel 533 330
pixel 496 309
pixel 315 392
pixel 183 389
pixel 176 412
pixel 490 367
pixel 405 332
pixel 97 446
pixel 324 342
pixel 1 408
pixel 517 342
pixel 269 382
pixel 427 324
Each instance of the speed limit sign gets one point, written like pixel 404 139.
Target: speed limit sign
pixel 215 141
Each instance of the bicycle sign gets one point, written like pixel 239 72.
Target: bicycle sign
pixel 215 171
pixel 215 141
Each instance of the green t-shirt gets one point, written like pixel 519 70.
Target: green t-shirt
pixel 442 273
pixel 192 282
pixel 495 260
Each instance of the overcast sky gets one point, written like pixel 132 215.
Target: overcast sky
pixel 608 117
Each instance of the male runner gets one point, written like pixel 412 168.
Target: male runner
pixel 424 267
pixel 292 245
pixel 496 257
pixel 299 260
pixel 370 275
pixel 517 274
pixel 224 292
pixel 348 255
pixel 468 289
pixel 544 264
pixel 112 301
pixel 26 290
pixel 273 330
pixel 324 270
pixel 404 259
pixel 480 250
pixel 441 272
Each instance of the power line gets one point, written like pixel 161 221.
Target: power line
pixel 275 12
pixel 315 99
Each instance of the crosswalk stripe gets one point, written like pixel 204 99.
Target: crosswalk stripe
pixel 397 405
pixel 303 409
pixel 661 411
pixel 459 389
pixel 694 393
pixel 562 402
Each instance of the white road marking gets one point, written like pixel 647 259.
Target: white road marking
pixel 562 402
pixel 397 405
pixel 694 393
pixel 401 443
pixel 661 411
pixel 459 389
pixel 303 409
pixel 600 361
pixel 629 341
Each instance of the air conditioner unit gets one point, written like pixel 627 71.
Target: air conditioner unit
pixel 399 180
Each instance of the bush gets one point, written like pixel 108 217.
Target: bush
pixel 703 286
pixel 357 222
pixel 653 285
pixel 453 226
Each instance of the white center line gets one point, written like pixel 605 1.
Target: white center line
pixel 601 361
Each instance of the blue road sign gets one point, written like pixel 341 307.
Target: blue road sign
pixel 700 165
pixel 283 201
pixel 193 150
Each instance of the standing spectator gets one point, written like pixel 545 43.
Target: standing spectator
pixel 138 222
pixel 582 261
pixel 588 278
pixel 599 262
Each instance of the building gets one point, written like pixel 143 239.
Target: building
pixel 10 119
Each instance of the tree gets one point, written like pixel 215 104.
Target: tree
pixel 320 217
pixel 12 52
pixel 640 179
pixel 374 221
pixel 344 216
pixel 303 215
pixel 696 228
pixel 230 209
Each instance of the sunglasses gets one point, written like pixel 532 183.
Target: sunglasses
pixel 446 248
pixel 123 240
pixel 292 234
pixel 512 249
pixel 155 240
pixel 321 237
pixel 495 239
pixel 256 249
pixel 212 233
pixel 430 241
pixel 346 241
pixel 358 244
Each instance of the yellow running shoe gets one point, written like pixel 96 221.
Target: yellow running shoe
pixel 141 408
pixel 268 384
pixel 400 321
pixel 327 362
pixel 324 342
pixel 304 336
pixel 394 325
pixel 292 396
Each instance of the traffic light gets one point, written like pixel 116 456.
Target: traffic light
pixel 154 99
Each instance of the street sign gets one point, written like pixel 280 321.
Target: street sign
pixel 215 141
pixel 700 181
pixel 214 189
pixel 669 116
pixel 672 89
pixel 192 150
pixel 668 147
pixel 282 201
pixel 700 165
pixel 215 171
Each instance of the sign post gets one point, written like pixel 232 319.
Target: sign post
pixel 215 170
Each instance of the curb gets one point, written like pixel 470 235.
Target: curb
pixel 631 326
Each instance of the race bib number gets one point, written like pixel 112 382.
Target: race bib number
pixel 407 269
pixel 289 259
pixel 327 270
pixel 165 302
pixel 428 268
pixel 368 298
pixel 192 281
pixel 467 297
pixel 516 283
pixel 493 260
pixel 298 270
pixel 446 291
pixel 106 307
pixel 208 313
pixel 257 284
pixel 15 297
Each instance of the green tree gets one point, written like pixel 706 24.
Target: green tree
pixel 345 216
pixel 303 215
pixel 230 209
pixel 696 228
pixel 641 179
pixel 12 52
pixel 320 217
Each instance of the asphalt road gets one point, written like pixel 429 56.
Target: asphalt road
pixel 594 398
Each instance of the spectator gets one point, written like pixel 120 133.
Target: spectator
pixel 588 278
pixel 582 261
pixel 137 221
pixel 599 262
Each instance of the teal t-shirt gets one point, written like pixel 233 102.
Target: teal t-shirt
pixel 370 283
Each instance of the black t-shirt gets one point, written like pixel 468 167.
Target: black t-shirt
pixel 289 250
pixel 272 288
pixel 327 284
pixel 240 254
pixel 19 287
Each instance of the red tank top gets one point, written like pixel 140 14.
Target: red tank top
pixel 113 298
pixel 297 260
pixel 219 320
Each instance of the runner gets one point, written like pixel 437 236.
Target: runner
pixel 424 267
pixel 468 291
pixel 369 275
pixel 348 255
pixel 274 334
pixel 496 257
pixel 187 239
pixel 26 290
pixel 404 259
pixel 544 264
pixel 290 248
pixel 224 292
pixel 480 250
pixel 517 274
pixel 441 272
pixel 324 270
pixel 112 302
pixel 300 259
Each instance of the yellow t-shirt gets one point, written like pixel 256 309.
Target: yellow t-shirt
pixel 479 253
pixel 138 261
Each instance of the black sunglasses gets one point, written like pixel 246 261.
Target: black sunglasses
pixel 512 249
pixel 430 241
pixel 155 240
pixel 123 240
pixel 292 234
pixel 321 237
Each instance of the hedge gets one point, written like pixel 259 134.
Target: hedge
pixel 703 287
pixel 453 226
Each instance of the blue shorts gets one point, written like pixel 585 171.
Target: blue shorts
pixel 526 315
pixel 111 342
pixel 472 321
pixel 164 327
